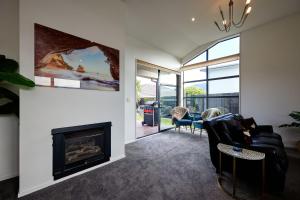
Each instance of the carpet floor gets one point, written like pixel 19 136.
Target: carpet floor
pixel 166 166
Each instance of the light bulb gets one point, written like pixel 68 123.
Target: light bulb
pixel 248 10
pixel 193 19
pixel 248 2
pixel 224 22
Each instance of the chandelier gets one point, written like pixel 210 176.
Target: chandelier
pixel 227 24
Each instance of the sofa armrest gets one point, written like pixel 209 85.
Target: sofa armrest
pixel 274 154
pixel 265 128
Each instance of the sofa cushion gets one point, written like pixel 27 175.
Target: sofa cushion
pixel 235 129
pixel 223 132
pixel 267 140
pixel 268 135
pixel 183 122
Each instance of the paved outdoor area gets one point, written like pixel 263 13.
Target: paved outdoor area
pixel 145 130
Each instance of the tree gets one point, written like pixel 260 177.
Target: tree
pixel 193 91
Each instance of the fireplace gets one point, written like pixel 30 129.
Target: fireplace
pixel 80 147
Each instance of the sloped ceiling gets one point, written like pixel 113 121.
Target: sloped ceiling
pixel 167 25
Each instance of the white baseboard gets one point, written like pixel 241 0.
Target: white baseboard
pixel 52 182
pixel 8 176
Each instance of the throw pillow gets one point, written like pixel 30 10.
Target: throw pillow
pixel 249 125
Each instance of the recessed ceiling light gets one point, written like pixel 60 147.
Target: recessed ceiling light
pixel 193 19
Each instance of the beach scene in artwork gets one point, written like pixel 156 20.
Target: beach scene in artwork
pixel 63 60
pixel 88 65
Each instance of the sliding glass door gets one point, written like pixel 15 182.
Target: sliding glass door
pixel 156 96
pixel 167 98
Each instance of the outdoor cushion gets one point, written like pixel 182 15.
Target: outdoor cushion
pixel 183 122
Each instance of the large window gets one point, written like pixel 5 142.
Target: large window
pixel 225 48
pixel 215 85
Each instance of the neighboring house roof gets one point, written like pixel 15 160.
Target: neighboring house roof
pixel 149 90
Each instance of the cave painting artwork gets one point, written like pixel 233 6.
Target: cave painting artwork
pixel 64 60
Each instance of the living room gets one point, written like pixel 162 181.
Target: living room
pixel 162 35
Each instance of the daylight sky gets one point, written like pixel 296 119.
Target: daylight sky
pixel 92 59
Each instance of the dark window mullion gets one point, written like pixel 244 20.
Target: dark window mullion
pixel 221 96
pixel 201 80
pixel 207 87
pixel 233 96
pixel 223 77
pixel 213 79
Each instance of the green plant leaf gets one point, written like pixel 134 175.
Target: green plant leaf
pixel 8 73
pixel 16 78
pixel 294 124
pixel 8 65
pixel 295 115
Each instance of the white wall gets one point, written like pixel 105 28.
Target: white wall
pixel 9 133
pixel 138 50
pixel 42 108
pixel 270 69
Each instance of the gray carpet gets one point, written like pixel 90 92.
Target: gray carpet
pixel 161 167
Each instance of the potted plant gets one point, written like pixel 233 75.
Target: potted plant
pixel 296 124
pixel 9 101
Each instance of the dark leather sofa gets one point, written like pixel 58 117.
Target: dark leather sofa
pixel 228 128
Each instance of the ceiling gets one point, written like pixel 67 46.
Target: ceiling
pixel 167 24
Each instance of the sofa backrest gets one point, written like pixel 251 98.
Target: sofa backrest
pixel 213 136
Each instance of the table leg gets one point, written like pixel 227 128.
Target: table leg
pixel 234 177
pixel 263 179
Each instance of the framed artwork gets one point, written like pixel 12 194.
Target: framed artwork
pixel 64 60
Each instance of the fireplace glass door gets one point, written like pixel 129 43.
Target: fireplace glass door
pixel 82 145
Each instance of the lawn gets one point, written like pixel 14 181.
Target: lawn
pixel 166 121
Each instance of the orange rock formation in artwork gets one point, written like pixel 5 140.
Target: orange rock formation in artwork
pixel 55 61
pixel 80 69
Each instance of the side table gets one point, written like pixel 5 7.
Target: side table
pixel 245 154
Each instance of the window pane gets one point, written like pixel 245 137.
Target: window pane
pixel 167 103
pixel 224 86
pixel 195 74
pixel 225 48
pixel 195 104
pixel 226 104
pixel 224 69
pixel 168 97
pixel 197 89
pixel 167 78
pixel 200 58
pixel 147 91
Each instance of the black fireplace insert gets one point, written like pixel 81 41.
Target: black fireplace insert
pixel 80 147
